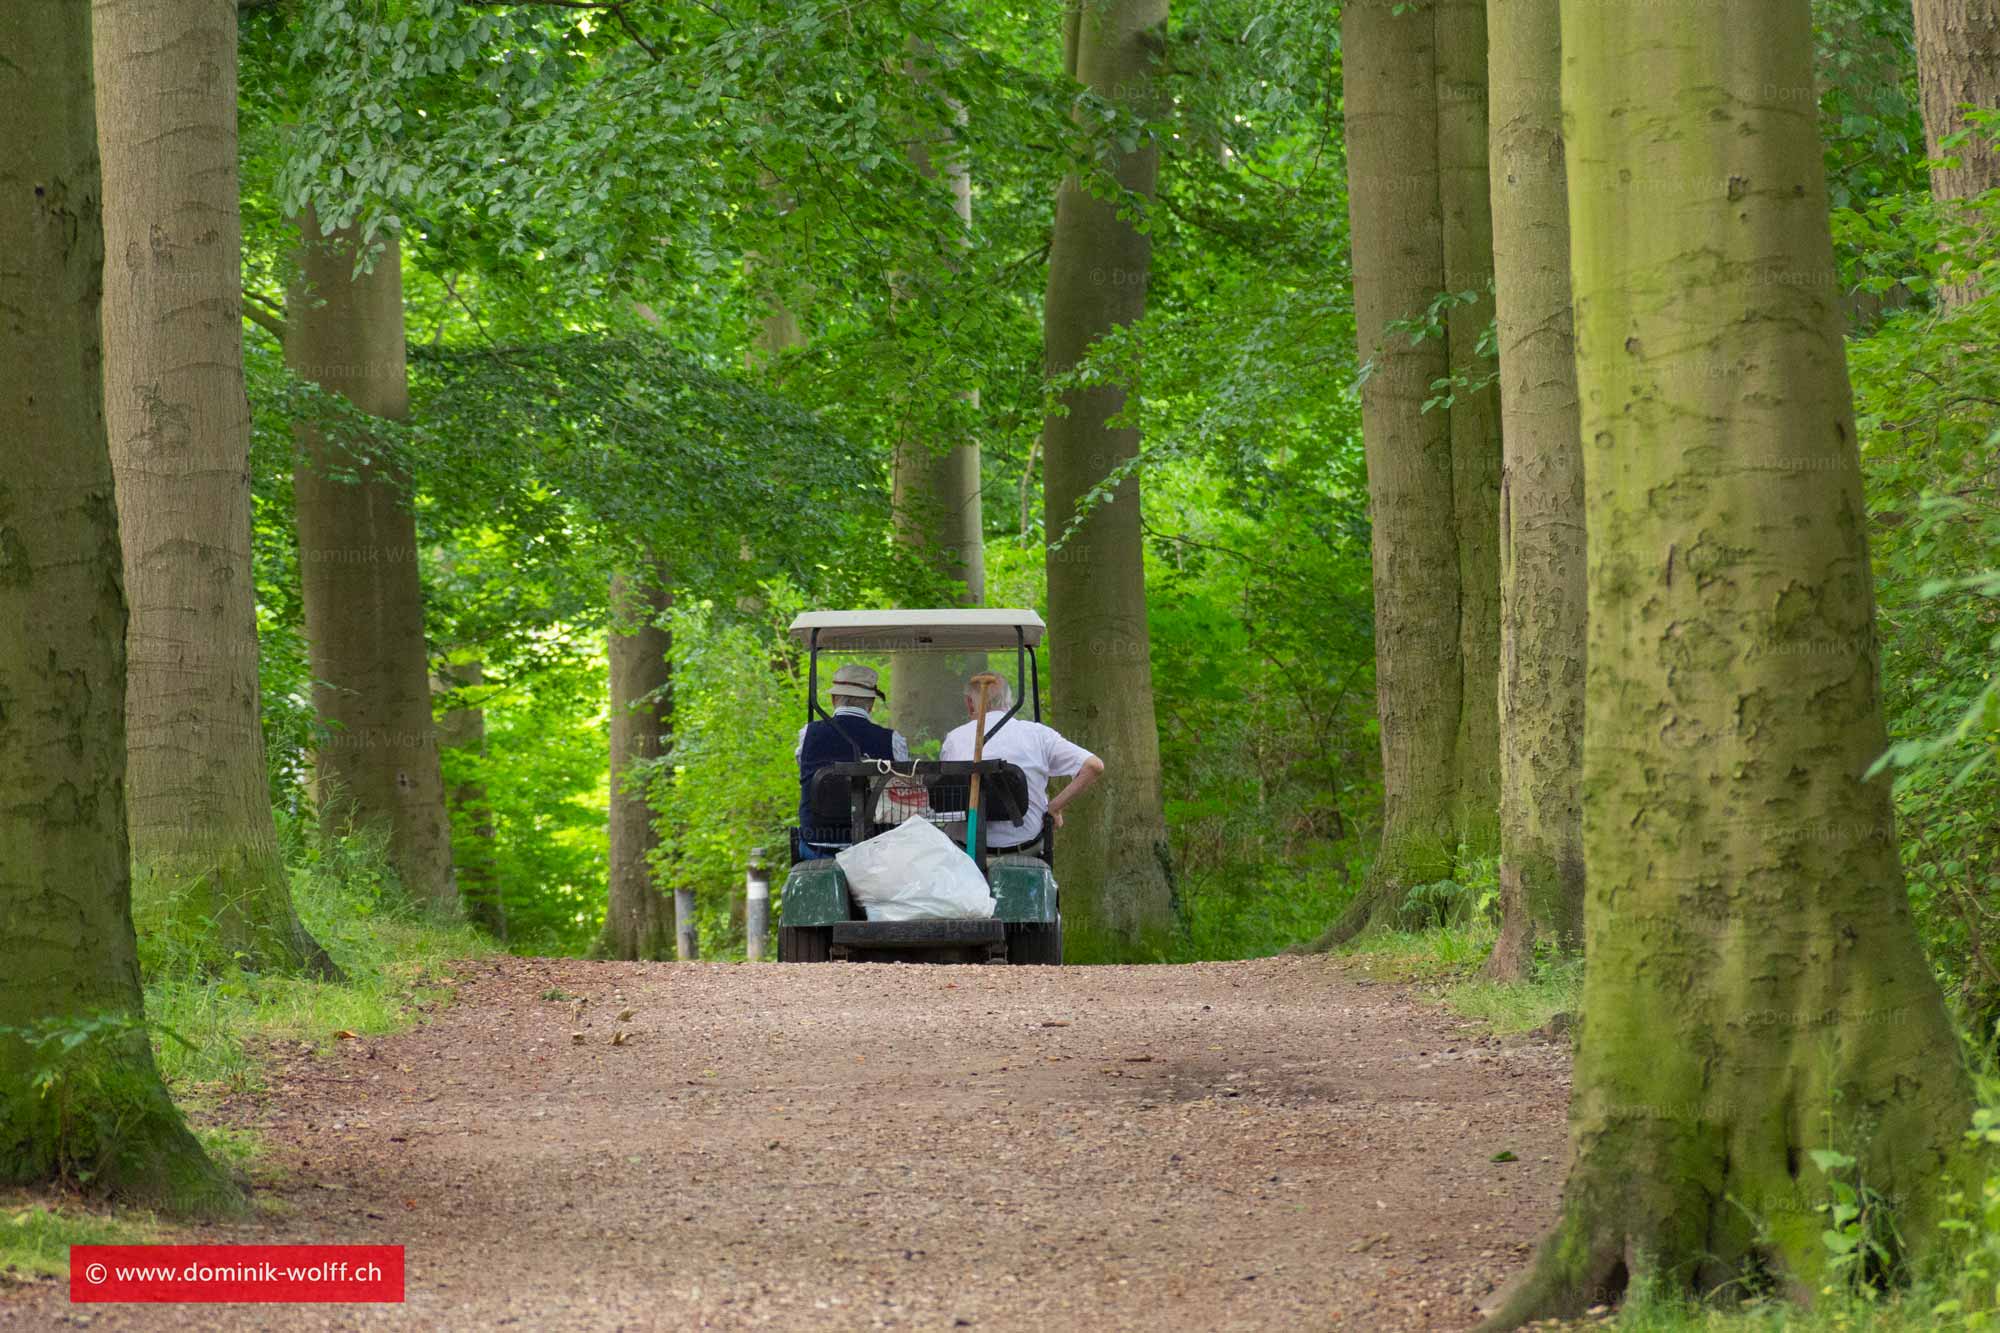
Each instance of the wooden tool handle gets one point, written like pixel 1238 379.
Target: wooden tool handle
pixel 978 752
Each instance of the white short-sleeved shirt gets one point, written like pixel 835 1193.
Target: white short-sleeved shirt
pixel 1038 751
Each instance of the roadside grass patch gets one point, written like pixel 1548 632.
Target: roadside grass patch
pixel 210 1027
pixel 1445 962
pixel 36 1233
pixel 1646 1312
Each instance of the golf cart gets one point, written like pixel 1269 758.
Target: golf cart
pixel 928 655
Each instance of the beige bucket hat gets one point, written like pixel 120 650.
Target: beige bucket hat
pixel 855 682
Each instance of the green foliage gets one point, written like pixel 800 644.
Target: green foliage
pixel 730 781
pixel 91 1114
pixel 1929 397
pixel 1871 121
pixel 1241 911
pixel 83 1102
pixel 1862 1247
pixel 1971 1297
pixel 538 828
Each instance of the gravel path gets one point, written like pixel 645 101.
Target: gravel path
pixel 1267 1145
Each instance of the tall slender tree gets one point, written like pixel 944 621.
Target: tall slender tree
pixel 198 796
pixel 1118 890
pixel 1958 66
pixel 1417 175
pixel 935 495
pixel 1756 990
pixel 1541 511
pixel 461 722
pixel 363 596
pixel 639 921
pixel 1466 205
pixel 70 1001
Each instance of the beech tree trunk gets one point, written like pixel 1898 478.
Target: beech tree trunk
pixel 363 597
pixel 1958 65
pixel 71 960
pixel 1541 512
pixel 199 803
pixel 1421 224
pixel 1118 899
pixel 1756 989
pixel 638 918
pixel 1465 200
pixel 937 513
pixel 462 744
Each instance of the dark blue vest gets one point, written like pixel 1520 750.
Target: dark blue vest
pixel 834 743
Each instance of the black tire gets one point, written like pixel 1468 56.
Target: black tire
pixel 1032 944
pixel 805 944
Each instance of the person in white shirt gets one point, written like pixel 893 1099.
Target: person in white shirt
pixel 1038 751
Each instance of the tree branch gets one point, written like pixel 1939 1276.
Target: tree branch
pixel 265 313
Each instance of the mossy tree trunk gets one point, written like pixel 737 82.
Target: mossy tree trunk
pixel 1958 65
pixel 935 500
pixel 199 802
pixel 1114 864
pixel 1541 511
pixel 638 918
pixel 358 570
pixel 1756 989
pixel 1421 226
pixel 65 872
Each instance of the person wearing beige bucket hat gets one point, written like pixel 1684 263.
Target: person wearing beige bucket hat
pixel 846 735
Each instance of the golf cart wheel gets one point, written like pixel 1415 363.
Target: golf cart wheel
pixel 1034 944
pixel 805 944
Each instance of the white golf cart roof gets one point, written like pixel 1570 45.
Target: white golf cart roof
pixel 961 630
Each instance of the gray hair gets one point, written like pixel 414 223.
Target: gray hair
pixel 1001 698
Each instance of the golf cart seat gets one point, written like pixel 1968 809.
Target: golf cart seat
pixel 844 796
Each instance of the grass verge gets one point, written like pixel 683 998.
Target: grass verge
pixel 36 1233
pixel 211 1027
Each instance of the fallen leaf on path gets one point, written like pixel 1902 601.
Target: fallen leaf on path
pixel 1138 1059
pixel 618 1038
pixel 625 1015
pixel 1504 1156
pixel 577 1037
pixel 1056 1023
pixel 345 1035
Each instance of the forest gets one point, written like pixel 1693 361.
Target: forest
pixel 1513 487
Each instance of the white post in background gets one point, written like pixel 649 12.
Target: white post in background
pixel 756 905
pixel 687 944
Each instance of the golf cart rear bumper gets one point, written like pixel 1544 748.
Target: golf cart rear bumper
pixel 978 940
pixel 918 934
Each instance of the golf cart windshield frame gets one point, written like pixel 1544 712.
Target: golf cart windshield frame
pixel 1027 666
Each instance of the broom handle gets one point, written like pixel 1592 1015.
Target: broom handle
pixel 972 800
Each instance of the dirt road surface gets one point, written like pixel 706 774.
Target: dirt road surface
pixel 1268 1145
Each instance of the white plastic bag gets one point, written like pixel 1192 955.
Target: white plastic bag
pixel 915 873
